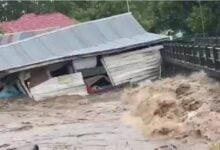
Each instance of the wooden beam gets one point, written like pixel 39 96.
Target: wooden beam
pixel 21 79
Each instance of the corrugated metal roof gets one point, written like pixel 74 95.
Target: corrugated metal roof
pixel 101 35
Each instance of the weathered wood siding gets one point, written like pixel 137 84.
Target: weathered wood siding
pixel 133 66
pixel 71 84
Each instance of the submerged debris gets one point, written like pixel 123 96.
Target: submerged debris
pixel 166 147
pixel 179 106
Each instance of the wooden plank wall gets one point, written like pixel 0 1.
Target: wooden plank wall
pixel 133 66
pixel 71 84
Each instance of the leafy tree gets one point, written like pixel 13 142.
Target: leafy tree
pixel 155 16
pixel 196 17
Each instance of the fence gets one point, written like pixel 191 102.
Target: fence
pixel 207 41
pixel 195 56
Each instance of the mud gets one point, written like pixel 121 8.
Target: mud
pixel 183 106
pixel 77 123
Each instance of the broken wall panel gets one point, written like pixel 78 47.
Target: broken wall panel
pixel 133 66
pixel 71 84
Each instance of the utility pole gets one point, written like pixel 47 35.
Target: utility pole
pixel 128 7
pixel 202 19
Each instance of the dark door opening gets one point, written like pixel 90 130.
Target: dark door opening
pixel 59 72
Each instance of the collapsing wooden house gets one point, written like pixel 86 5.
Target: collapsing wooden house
pixel 80 59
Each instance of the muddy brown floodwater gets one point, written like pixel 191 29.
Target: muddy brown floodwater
pixel 75 123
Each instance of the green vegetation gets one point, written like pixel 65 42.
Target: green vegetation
pixel 155 16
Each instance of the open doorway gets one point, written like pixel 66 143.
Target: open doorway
pixel 60 69
pixel 59 72
pixel 97 83
pixel 96 78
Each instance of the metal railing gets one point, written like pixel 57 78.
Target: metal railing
pixel 207 41
pixel 195 56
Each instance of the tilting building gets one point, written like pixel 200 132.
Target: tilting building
pixel 81 58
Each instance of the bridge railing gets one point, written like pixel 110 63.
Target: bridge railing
pixel 207 40
pixel 199 40
pixel 196 55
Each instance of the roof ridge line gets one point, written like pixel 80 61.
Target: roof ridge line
pixel 61 29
